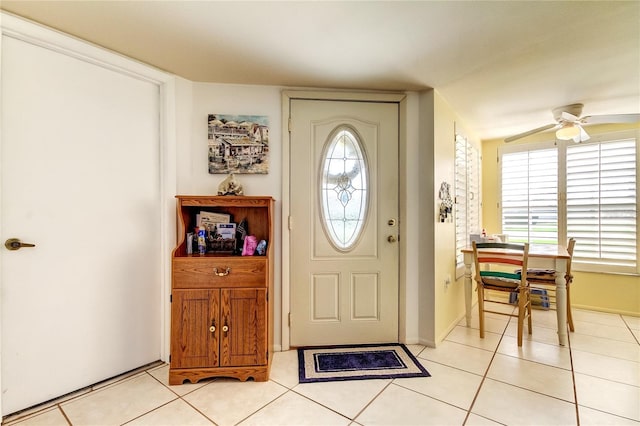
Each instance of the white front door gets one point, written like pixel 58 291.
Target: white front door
pixel 344 222
pixel 80 180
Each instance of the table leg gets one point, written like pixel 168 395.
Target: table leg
pixel 468 290
pixel 561 301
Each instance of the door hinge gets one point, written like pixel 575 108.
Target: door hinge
pixel 267 295
pixel 290 223
pixel 289 320
pixel 169 358
pixel 289 125
pixel 171 298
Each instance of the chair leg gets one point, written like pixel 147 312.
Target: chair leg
pixel 569 315
pixel 521 307
pixel 530 325
pixel 481 309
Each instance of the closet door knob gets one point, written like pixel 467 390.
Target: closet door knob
pixel 16 244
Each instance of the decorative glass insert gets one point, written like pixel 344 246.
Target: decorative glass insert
pixel 344 188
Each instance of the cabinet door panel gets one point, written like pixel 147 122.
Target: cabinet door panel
pixel 193 313
pixel 244 312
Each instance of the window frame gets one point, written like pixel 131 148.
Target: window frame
pixel 578 264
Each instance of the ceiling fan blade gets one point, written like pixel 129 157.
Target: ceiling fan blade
pixel 530 132
pixel 611 118
pixel 582 137
pixel 570 118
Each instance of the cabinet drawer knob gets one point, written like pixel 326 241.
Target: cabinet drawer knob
pixel 212 329
pixel 223 273
pixel 225 328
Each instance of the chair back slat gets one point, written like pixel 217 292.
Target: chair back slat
pixel 502 260
pixel 508 246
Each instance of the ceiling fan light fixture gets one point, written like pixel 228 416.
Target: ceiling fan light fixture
pixel 568 131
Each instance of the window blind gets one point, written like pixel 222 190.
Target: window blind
pixel 602 202
pixel 530 196
pixel 467 194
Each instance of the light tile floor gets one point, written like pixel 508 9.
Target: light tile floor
pixel 593 381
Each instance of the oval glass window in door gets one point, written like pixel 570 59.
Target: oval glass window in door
pixel 344 188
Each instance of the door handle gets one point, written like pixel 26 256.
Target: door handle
pixel 16 244
pixel 392 239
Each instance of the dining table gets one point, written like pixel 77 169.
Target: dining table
pixel 541 256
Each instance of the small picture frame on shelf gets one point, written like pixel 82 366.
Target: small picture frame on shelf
pixel 222 238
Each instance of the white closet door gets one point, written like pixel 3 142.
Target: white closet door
pixel 80 174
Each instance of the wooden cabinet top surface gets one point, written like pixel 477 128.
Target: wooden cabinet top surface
pixel 225 200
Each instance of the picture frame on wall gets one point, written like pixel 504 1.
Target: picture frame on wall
pixel 238 144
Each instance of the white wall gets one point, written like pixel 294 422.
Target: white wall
pixel 411 168
pixel 425 225
pixel 195 101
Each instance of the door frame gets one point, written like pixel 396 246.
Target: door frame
pixel 38 35
pixel 328 95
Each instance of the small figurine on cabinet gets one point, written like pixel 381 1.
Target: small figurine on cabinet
pixel 230 186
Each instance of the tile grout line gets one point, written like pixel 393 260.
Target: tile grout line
pixel 573 376
pixel 352 420
pixel 495 351
pixel 630 329
pixel 64 414
pixel 181 397
pixel 151 411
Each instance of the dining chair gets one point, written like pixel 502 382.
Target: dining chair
pixel 545 279
pixel 494 264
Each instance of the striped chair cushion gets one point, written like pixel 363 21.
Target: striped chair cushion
pixel 539 275
pixel 500 280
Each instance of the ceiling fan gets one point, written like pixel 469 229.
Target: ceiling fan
pixel 569 123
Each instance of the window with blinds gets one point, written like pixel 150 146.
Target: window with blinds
pixel 602 202
pixel 467 194
pixel 595 185
pixel 530 196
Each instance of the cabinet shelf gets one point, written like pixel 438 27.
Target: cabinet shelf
pixel 256 211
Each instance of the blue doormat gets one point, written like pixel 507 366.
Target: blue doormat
pixel 357 362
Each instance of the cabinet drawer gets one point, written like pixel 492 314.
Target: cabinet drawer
pixel 198 272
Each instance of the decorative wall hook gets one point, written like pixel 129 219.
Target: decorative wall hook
pixel 446 204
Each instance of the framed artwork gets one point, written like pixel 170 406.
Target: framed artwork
pixel 238 144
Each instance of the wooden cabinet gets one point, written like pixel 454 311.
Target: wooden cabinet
pixel 221 318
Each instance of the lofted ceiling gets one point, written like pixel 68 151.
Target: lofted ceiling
pixel 501 65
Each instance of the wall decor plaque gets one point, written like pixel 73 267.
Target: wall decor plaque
pixel 238 144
